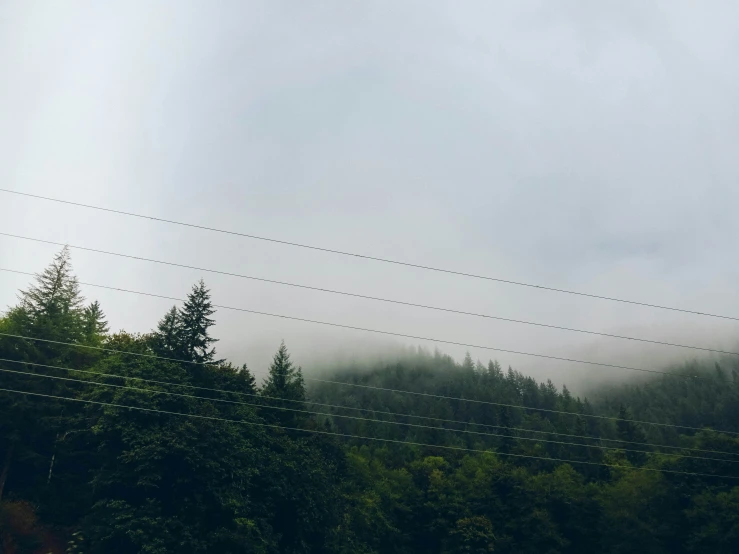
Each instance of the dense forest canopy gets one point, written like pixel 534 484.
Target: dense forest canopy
pixel 152 443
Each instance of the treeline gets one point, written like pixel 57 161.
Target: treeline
pixel 513 414
pixel 165 447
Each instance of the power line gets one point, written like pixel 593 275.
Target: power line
pixel 397 414
pixel 424 394
pixel 416 337
pixel 357 295
pixel 367 257
pixel 415 425
pixel 345 435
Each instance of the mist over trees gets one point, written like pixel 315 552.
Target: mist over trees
pixel 165 447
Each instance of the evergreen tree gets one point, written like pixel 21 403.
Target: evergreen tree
pixel 227 377
pixel 630 432
pixel 246 380
pixel 285 381
pixel 468 365
pixel 167 483
pixel 52 308
pixel 167 338
pixel 95 325
pixel 494 371
pixel 194 325
pixel 720 376
pixel 507 442
pixel 196 472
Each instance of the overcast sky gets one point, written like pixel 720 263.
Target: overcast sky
pixel 583 145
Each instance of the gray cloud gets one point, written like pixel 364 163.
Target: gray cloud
pixel 582 145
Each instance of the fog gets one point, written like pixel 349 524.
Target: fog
pixel 578 145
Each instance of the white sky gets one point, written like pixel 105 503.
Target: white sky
pixel 582 145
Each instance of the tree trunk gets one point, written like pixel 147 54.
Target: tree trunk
pixel 51 467
pixel 6 468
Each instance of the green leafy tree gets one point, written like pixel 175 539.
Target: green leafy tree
pixel 472 534
pixel 639 512
pixel 168 483
pixel 714 520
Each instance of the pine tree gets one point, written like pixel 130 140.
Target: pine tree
pixel 568 404
pixel 52 308
pixel 285 381
pixel 507 442
pixel 494 370
pixel 227 376
pixel 468 365
pixel 194 324
pixel 630 432
pixel 246 379
pixel 585 452
pixel 95 325
pixel 720 376
pixel 168 336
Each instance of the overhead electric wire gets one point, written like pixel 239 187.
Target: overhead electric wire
pixel 346 435
pixel 367 257
pixel 355 295
pixel 424 394
pixel 417 337
pixel 415 425
pixel 397 414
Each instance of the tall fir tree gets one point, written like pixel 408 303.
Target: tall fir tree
pixel 630 432
pixel 52 308
pixel 94 322
pixel 195 323
pixel 468 365
pixel 507 442
pixel 167 338
pixel 285 381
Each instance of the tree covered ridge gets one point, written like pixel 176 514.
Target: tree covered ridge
pixel 95 478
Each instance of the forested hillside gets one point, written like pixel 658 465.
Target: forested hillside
pixel 150 442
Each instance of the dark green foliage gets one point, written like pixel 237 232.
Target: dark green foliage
pixel 630 432
pixel 473 535
pixel 534 506
pixel 184 334
pixel 211 470
pixel 284 390
pixel 52 308
pixel 170 481
pixel 167 339
pixel 194 325
pixel 95 325
pixel 714 522
pixel 285 380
